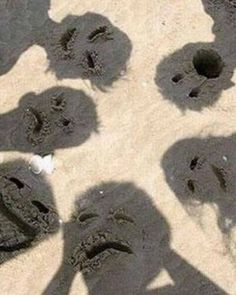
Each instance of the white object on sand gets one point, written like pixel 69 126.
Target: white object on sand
pixel 38 164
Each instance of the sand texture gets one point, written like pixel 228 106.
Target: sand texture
pixel 135 102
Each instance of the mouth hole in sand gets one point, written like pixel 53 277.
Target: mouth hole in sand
pixel 208 63
pixel 194 92
pixel 220 175
pixel 17 182
pixel 85 216
pixel 40 207
pixel 96 250
pixel 38 122
pixel 66 37
pixel 177 78
pixel 191 185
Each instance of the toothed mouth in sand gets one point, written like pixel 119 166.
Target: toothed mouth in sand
pixel 91 253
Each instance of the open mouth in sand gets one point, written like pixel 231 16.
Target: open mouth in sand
pixel 92 252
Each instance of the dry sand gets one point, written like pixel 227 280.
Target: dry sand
pixel 144 173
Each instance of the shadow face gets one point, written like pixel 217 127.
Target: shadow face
pixel 19 23
pixel 27 212
pixel 87 47
pixel 120 242
pixel 59 117
pixel 203 171
pixel 194 77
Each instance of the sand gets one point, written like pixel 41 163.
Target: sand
pixel 135 101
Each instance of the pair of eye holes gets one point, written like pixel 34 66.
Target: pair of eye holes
pixel 119 217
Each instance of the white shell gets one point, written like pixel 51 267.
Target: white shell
pixel 48 165
pixel 36 164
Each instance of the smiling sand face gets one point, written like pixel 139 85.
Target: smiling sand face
pixel 114 237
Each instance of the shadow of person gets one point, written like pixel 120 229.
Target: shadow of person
pixel 194 76
pixel 86 47
pixel 120 242
pixel 20 21
pixel 57 118
pixel 203 171
pixel 27 210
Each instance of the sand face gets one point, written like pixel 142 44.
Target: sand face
pixel 134 102
pixel 57 118
pixel 27 210
pixel 195 76
pixel 119 242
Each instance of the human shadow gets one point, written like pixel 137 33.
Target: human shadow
pixel 27 210
pixel 57 118
pixel 194 76
pixel 86 47
pixel 20 21
pixel 203 171
pixel 120 242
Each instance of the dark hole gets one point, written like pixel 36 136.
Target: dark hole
pixel 66 122
pixel 17 182
pixel 90 60
pixel 220 175
pixel 66 37
pixel 208 63
pixel 121 216
pixel 177 78
pixel 97 32
pixel 194 92
pixel 40 207
pixel 38 122
pixel 105 246
pixel 193 163
pixel 191 185
pixel 85 216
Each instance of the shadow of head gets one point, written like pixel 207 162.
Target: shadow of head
pixel 194 76
pixel 114 231
pixel 57 118
pixel 120 242
pixel 203 171
pixel 88 47
pixel 27 210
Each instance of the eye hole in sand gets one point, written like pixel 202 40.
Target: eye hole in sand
pixel 100 32
pixel 87 216
pixel 191 185
pixel 66 38
pixel 208 63
pixel 40 207
pixel 220 175
pixel 17 182
pixel 123 218
pixel 38 122
pixel 96 250
pixel 177 78
pixel 194 92
pixel 194 163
